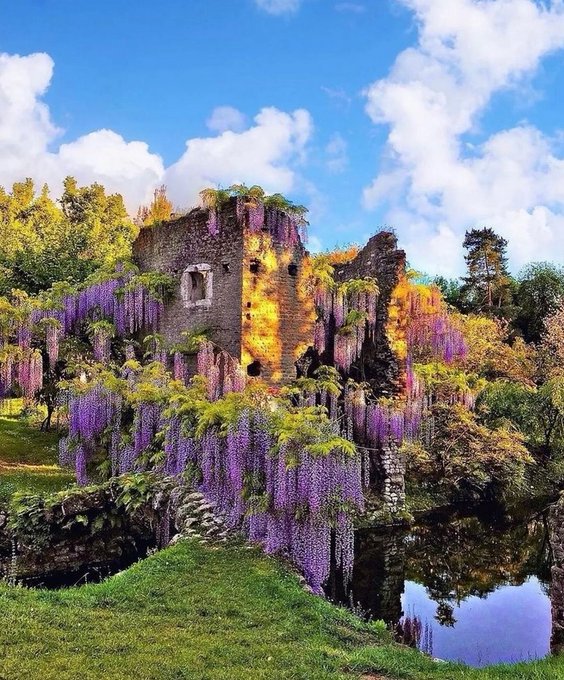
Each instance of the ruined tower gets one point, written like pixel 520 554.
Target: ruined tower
pixel 245 287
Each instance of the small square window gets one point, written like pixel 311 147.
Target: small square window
pixel 196 287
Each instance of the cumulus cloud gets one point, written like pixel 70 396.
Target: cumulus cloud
pixel 268 151
pixel 271 150
pixel 435 183
pixel 27 133
pixel 279 7
pixel 224 118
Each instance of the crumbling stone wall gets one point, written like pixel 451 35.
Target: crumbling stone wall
pixel 382 260
pixel 391 465
pixel 217 291
pixel 278 312
pixel 379 365
pixel 82 531
pixel 93 528
pixel 259 309
pixel 185 243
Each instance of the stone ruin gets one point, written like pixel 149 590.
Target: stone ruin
pixel 249 291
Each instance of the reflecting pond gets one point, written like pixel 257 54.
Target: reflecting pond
pixel 465 588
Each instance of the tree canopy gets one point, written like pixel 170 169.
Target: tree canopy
pixel 43 241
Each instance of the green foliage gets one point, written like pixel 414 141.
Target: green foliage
pixel 193 340
pixel 38 519
pixel 451 291
pixel 367 285
pixel 487 286
pixel 549 404
pixel 101 326
pixel 354 319
pixel 159 210
pixel 28 457
pixel 538 413
pixel 466 460
pixel 215 199
pixel 308 430
pixel 159 285
pixel 445 381
pixel 325 380
pixel 541 288
pixel 42 243
pixel 504 403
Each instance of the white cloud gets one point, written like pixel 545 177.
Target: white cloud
pixel 279 7
pixel 25 125
pixel 27 133
pixel 226 118
pixel 270 151
pixel 436 184
pixel 128 168
pixel 338 95
pixel 267 153
pixel 336 152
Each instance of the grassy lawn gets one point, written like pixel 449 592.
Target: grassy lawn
pixel 208 614
pixel 28 457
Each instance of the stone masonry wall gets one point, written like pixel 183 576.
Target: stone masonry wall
pixel 175 246
pixel 85 530
pixel 379 365
pixel 278 313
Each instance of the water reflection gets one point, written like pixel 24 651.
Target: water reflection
pixel 473 589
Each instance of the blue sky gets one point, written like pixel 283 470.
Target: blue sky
pixel 428 115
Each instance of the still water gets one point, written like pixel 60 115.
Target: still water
pixel 465 589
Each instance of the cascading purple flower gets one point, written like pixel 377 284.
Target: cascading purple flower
pixel 92 413
pixel 223 373
pixel 213 222
pixel 256 216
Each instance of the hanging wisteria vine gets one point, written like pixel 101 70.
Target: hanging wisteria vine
pixel 121 304
pixel 282 475
pixel 282 219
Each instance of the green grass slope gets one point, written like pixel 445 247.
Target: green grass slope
pixel 28 458
pixel 196 612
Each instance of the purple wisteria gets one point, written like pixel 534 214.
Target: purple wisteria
pixel 94 411
pixel 288 502
pixel 223 373
pixel 284 227
pixel 347 316
pixel 122 303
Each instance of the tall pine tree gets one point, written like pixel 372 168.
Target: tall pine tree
pixel 487 285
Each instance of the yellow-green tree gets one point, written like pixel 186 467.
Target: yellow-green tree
pixel 43 241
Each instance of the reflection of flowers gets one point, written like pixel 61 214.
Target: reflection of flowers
pixel 445 614
pixel 410 631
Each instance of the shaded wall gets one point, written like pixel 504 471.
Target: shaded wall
pixel 173 247
pixel 382 260
pixel 556 526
